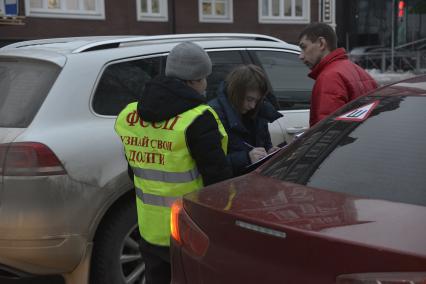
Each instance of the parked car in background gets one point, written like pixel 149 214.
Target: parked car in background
pixel 67 205
pixel 357 54
pixel 345 203
pixel 380 58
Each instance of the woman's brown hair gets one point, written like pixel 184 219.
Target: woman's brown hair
pixel 245 78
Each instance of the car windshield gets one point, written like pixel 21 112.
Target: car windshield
pixel 24 85
pixel 380 157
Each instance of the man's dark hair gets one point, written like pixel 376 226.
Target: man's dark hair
pixel 316 30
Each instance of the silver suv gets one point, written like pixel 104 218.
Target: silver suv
pixel 66 202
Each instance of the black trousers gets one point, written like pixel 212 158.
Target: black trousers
pixel 157 263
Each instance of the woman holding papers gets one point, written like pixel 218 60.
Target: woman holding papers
pixel 245 115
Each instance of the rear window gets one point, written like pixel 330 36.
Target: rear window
pixel 24 85
pixel 383 157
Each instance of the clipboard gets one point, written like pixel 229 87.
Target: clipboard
pixel 256 164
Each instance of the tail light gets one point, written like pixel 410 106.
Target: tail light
pixel 174 220
pixel 383 278
pixel 28 159
pixel 186 233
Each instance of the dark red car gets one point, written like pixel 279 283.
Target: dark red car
pixel 345 203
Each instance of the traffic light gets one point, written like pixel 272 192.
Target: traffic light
pixel 401 10
pixel 402 22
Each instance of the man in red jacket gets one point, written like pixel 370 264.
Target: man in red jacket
pixel 337 80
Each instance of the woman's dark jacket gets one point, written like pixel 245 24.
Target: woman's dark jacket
pixel 164 98
pixel 250 129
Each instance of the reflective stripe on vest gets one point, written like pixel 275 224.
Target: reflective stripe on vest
pixel 155 200
pixel 157 175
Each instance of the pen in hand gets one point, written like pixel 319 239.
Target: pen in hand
pixel 248 145
pixel 255 153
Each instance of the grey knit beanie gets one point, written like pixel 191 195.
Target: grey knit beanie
pixel 188 61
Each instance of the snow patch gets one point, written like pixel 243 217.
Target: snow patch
pixel 388 77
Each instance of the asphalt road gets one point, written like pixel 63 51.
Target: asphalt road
pixel 38 280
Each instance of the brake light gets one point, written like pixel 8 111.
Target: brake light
pixel 383 278
pixel 174 220
pixel 186 232
pixel 29 159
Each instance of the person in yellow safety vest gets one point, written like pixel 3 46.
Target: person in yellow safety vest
pixel 174 144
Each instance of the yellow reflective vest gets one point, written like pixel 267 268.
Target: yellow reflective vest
pixel 162 165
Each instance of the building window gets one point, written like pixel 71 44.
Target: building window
pixel 152 10
pixel 284 11
pixel 77 9
pixel 215 11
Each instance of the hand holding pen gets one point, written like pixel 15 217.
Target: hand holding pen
pixel 256 153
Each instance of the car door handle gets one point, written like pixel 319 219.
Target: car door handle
pixel 295 130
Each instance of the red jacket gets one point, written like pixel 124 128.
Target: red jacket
pixel 337 82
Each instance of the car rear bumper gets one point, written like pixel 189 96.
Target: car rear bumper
pixel 43 256
pixel 44 223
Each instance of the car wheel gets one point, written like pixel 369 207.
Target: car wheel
pixel 116 257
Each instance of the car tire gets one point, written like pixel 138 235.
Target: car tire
pixel 116 257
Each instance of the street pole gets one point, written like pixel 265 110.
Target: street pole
pixel 393 34
pixel 173 16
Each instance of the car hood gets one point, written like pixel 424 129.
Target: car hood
pixel 284 206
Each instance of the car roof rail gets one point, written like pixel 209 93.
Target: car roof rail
pixel 141 40
pixel 59 43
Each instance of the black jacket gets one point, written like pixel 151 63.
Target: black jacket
pixel 164 98
pixel 243 130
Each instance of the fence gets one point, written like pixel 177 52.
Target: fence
pixel 414 61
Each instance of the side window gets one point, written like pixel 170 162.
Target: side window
pixel 122 83
pixel 289 78
pixel 223 62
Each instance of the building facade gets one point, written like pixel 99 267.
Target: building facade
pixel 59 18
